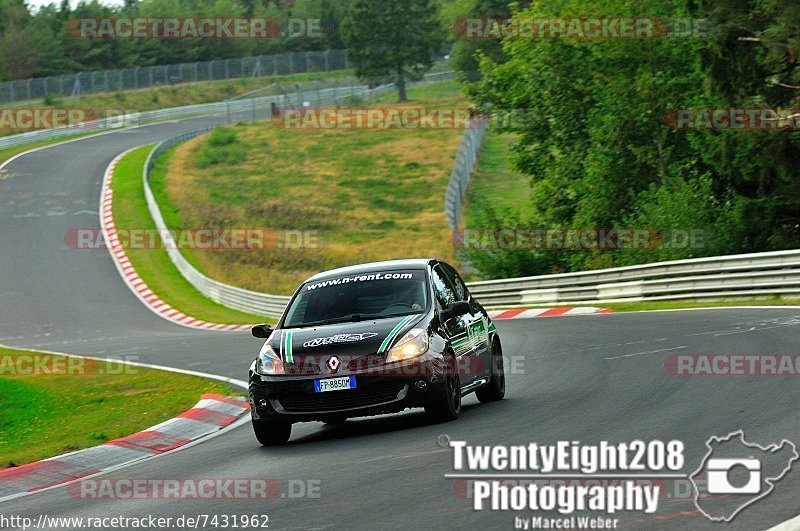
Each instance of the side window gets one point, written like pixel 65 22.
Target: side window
pixel 442 288
pixel 461 291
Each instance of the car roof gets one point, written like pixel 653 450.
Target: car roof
pixel 389 265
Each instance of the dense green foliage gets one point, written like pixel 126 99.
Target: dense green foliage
pixel 39 43
pixel 593 138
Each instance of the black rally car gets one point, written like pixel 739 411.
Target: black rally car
pixel 372 339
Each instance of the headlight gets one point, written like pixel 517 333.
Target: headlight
pixel 411 345
pixel 268 361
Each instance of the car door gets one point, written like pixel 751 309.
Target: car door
pixel 454 329
pixel 477 325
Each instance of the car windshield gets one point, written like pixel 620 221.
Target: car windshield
pixel 373 295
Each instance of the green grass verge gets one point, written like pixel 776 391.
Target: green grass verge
pixel 683 305
pixel 495 180
pixel 154 265
pixel 102 401
pixel 622 307
pixel 447 91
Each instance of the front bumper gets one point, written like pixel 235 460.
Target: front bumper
pixel 386 389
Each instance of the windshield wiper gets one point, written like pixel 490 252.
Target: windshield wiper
pixel 352 318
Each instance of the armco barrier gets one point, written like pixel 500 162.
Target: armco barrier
pixel 306 95
pixel 747 275
pixel 255 107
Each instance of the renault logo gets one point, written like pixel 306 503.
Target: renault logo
pixel 333 363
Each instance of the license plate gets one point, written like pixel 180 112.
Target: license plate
pixel 335 384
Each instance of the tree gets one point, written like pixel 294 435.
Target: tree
pixel 467 52
pixel 330 20
pixel 398 40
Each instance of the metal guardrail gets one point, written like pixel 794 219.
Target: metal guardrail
pixel 466 156
pixel 74 85
pixel 747 275
pixel 227 295
pixel 205 109
pixel 307 92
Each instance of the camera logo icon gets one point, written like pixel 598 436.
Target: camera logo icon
pixel 719 481
pixel 736 473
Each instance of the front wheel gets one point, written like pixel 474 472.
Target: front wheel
pixel 272 433
pixel 496 388
pixel 447 405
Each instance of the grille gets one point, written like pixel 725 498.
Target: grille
pixel 366 362
pixel 307 402
pixel 302 369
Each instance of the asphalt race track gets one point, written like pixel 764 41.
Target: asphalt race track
pixel 578 378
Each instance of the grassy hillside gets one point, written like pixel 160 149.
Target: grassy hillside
pixel 363 194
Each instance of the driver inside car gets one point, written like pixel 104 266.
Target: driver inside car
pixel 412 297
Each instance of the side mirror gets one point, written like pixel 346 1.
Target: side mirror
pixel 456 309
pixel 262 331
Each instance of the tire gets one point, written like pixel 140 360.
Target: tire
pixel 447 405
pixel 496 388
pixel 272 433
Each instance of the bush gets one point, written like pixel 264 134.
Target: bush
pixel 221 147
pixel 50 100
pixel 222 137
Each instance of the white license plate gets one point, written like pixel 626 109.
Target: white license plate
pixel 335 384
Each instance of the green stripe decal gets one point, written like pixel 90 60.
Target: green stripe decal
pixel 388 341
pixel 287 349
pixel 492 327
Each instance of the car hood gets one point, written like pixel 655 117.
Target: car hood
pixel 352 343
